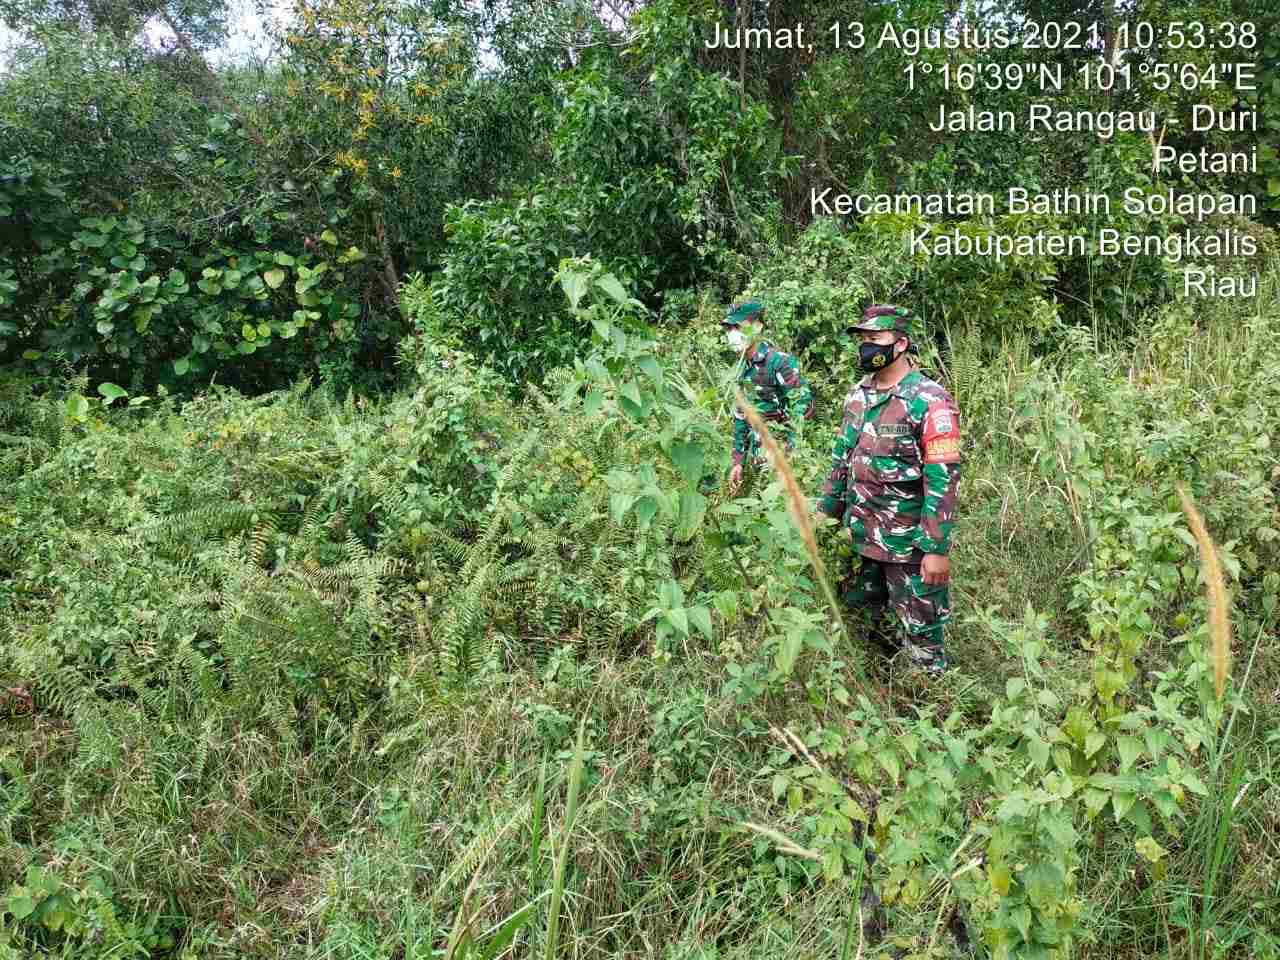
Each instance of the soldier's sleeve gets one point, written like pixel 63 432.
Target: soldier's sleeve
pixel 831 502
pixel 940 443
pixel 799 398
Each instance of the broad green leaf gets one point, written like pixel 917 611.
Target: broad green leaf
pixel 574 285
pixel 889 760
pixel 610 285
pixel 274 278
pixel 693 506
pixel 592 402
pixel 1193 783
pixel 1014 805
pixel 700 617
pixel 679 619
pixel 1038 751
pixel 1021 917
pixel 1000 877
pixel 77 407
pixel 111 392
pixel 726 604
pixel 788 650
pixel 1043 882
pixel 687 458
pixel 646 510
pixel 1121 804
pixel 619 504
pixel 778 786
pixel 1059 827
pixel 248 331
pixel 20 905
pixel 330 238
pixel 630 391
pixel 651 368
pixel 1130 749
pixel 671 593
pixel 181 366
pixel 1149 849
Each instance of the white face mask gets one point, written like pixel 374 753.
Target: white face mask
pixel 736 340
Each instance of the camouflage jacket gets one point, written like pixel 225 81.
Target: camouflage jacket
pixel 895 469
pixel 773 381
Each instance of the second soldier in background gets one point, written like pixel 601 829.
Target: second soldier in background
pixel 769 378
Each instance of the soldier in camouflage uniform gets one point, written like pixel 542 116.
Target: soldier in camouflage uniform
pixel 895 473
pixel 769 378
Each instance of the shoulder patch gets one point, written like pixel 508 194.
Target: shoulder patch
pixel 941 434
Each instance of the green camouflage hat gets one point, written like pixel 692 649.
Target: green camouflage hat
pixel 740 313
pixel 886 316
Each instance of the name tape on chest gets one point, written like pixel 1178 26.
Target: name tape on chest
pixel 893 429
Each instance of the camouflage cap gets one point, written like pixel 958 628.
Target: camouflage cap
pixel 886 316
pixel 740 313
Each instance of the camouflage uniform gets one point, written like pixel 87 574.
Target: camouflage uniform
pixel 772 380
pixel 895 473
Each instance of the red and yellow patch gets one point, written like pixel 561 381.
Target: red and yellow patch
pixel 941 435
pixel 942 450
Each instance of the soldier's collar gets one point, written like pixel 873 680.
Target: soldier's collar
pixel 906 381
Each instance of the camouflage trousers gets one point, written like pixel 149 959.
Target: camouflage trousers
pixel 874 586
pixel 755 454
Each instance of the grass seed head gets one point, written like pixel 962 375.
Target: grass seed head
pixel 1216 588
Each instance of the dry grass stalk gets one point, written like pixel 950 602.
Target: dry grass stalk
pixel 1216 588
pixel 797 505
pixel 784 843
pixel 791 741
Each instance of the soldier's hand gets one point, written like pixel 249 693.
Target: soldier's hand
pixel 935 569
pixel 735 477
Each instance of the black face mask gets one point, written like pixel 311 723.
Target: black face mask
pixel 875 356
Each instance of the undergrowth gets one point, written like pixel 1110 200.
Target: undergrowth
pixel 293 676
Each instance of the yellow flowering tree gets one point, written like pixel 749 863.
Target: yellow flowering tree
pixel 374 87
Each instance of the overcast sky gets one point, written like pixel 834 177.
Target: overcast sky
pixel 247 35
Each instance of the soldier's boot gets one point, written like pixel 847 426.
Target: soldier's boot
pixel 882 633
pixel 870 614
pixel 925 650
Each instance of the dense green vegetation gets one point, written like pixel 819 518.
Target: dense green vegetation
pixel 369 586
